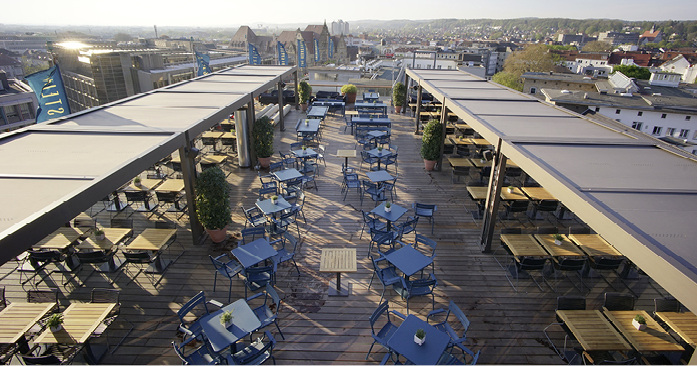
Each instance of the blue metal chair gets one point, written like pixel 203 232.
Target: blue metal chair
pixel 377 194
pixel 387 275
pixel 298 207
pixel 288 160
pixel 228 268
pixel 351 181
pixel 390 160
pixel 420 239
pixel 371 222
pixel 256 278
pixel 390 186
pixel 268 311
pixel 273 167
pixel 256 353
pixel 382 237
pixel 284 254
pixel 254 216
pixel 251 234
pixel 366 158
pixel 387 330
pixel 267 181
pixel 282 224
pixel 420 287
pixel 202 355
pixel 425 210
pixel 265 193
pixel 447 328
pixel 193 307
pixel 407 227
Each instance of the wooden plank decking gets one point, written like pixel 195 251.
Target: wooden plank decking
pixel 506 325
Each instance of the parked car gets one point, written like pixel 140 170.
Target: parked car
pixel 272 97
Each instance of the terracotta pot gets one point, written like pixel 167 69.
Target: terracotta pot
pixel 217 236
pixel 398 109
pixel 264 162
pixel 429 164
pixel 303 106
pixel 350 98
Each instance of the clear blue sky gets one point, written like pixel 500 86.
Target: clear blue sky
pixel 227 13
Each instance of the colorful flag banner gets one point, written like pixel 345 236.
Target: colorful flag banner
pixel 282 54
pixel 302 53
pixel 203 61
pixel 254 56
pixel 318 58
pixel 331 48
pixel 48 86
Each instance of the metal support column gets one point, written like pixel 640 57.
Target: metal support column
pixel 281 123
pixel 187 154
pixel 417 114
pixel 242 132
pixel 443 120
pixel 251 117
pixel 406 95
pixel 493 198
pixel 297 96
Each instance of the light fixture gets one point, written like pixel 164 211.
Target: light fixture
pixel 192 153
pixel 487 155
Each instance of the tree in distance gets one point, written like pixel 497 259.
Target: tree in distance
pixel 597 46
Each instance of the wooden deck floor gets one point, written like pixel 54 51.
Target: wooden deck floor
pixel 506 325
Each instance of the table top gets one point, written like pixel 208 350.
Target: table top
pixel 229 135
pixel 523 245
pixel 370 95
pixel 59 239
pixel 594 245
pixel 79 322
pixel 565 249
pixel 593 331
pixel 269 208
pixel 151 239
pixel 213 159
pixel 112 236
pixel 338 260
pixel 351 113
pixel 346 153
pixel 212 134
pixel 462 126
pixel 307 153
pixel 379 153
pixel 684 324
pixel 477 193
pixel 379 176
pixel 480 163
pixel 461 141
pixel 287 174
pixel 514 195
pixel 480 142
pixel 145 185
pixel 377 133
pixel 318 111
pixel 17 318
pixel 459 162
pixel 537 193
pixel 171 185
pixel 244 321
pixel 370 120
pixel 402 341
pixel 311 126
pixel 369 105
pixel 252 253
pixel 395 214
pixel 651 339
pixel 409 260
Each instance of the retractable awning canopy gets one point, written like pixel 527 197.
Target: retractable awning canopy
pixel 51 172
pixel 635 191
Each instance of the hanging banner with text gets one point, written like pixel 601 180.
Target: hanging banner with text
pixel 48 86
pixel 282 54
pixel 254 56
pixel 318 58
pixel 203 64
pixel 302 53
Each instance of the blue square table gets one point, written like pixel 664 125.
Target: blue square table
pixel 244 322
pixel 287 174
pixel 409 260
pixel 318 112
pixel 377 133
pixel 269 208
pixel 396 212
pixel 379 176
pixel 379 154
pixel 402 342
pixel 255 252
pixel 305 154
pixel 311 126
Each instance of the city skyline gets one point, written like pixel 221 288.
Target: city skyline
pixel 227 14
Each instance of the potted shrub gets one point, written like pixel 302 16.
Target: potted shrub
pixel 349 91
pixel 55 322
pixel 639 322
pixel 136 181
pixel 399 93
pixel 388 206
pixel 262 138
pixel 304 92
pixel 431 143
pixel 274 199
pixel 510 189
pixel 213 203
pixel 558 239
pixel 226 318
pixel 420 336
pixel 99 234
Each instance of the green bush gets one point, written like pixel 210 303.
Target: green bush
pixel 213 199
pixel 304 92
pixel 431 140
pixel 262 137
pixel 398 94
pixel 349 88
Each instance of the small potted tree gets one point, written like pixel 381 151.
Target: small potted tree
pixel 226 319
pixel 558 239
pixel 262 138
pixel 398 95
pixel 213 203
pixel 304 92
pixel 420 336
pixel 388 206
pixel 510 189
pixel 274 199
pixel 430 143
pixel 639 322
pixel 55 322
pixel 136 181
pixel 99 234
pixel 349 91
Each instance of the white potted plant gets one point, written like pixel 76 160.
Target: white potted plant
pixel 99 234
pixel 558 239
pixel 639 322
pixel 510 189
pixel 379 148
pixel 420 336
pixel 307 122
pixel 274 199
pixel 226 318
pixel 388 206
pixel 55 322
pixel 136 181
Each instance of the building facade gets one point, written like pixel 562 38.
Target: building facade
pixel 18 103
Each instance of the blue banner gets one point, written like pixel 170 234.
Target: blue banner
pixel 318 58
pixel 302 54
pixel 254 57
pixel 282 54
pixel 203 64
pixel 48 86
pixel 331 48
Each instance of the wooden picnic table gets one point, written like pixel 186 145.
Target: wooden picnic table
pixel 565 249
pixel 112 236
pixel 59 239
pixel 17 318
pixel 652 339
pixel 684 324
pixel 145 185
pixel 514 195
pixel 523 245
pixel 593 330
pixel 171 185
pixel 79 322
pixel 594 245
pixel 537 193
pixel 459 162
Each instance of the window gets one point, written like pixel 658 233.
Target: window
pixel 656 131
pixel 533 90
pixel 663 115
pixel 597 109
pixel 617 111
pixel 640 114
pixel 637 125
pixel 670 131
pixel 683 133
pixel 687 118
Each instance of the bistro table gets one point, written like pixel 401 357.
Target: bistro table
pixel 409 260
pixel 593 331
pixel 651 339
pixel 112 237
pixel 338 260
pixel 377 107
pixel 286 174
pixel 254 252
pixel 212 159
pixel 537 193
pixel 172 185
pixel 565 249
pixel 59 239
pixel 514 195
pixel 379 154
pixel 379 177
pixel 145 185
pixel 18 318
pixel 396 212
pixel 308 125
pixel 153 240
pixel 369 121
pixel 244 322
pixel 684 324
pixel 308 153
pixel 402 341
pixel 460 162
pixel 594 245
pixel 370 96
pixel 318 112
pixel 269 208
pixel 346 154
